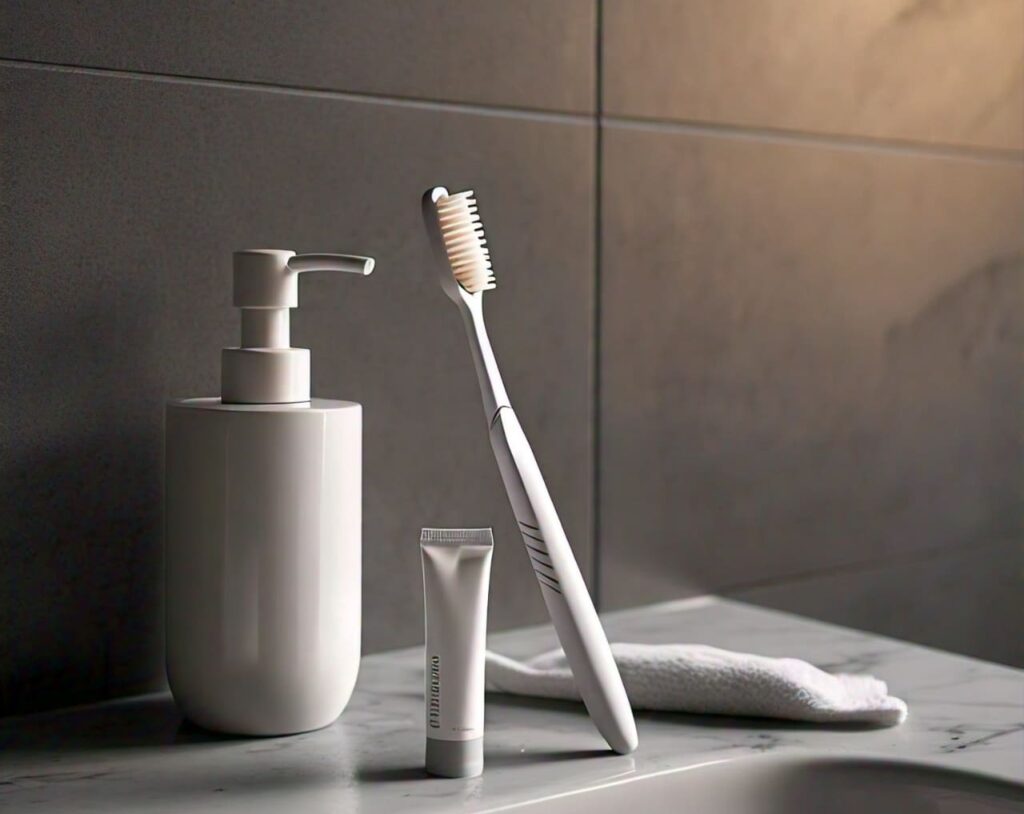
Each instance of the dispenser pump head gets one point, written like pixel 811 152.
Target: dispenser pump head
pixel 265 369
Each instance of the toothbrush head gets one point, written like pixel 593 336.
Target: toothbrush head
pixel 457 235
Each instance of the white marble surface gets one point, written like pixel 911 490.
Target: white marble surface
pixel 136 755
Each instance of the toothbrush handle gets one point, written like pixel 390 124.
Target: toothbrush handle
pixel 562 586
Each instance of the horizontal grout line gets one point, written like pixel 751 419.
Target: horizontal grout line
pixel 728 592
pixel 874 563
pixel 828 140
pixel 664 606
pixel 908 147
pixel 414 103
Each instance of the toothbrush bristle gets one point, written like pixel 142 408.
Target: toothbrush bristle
pixel 464 242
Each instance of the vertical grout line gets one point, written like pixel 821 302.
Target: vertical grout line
pixel 595 485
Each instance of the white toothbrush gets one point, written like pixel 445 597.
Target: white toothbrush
pixel 457 236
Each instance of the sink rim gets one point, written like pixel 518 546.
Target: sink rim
pixel 798 758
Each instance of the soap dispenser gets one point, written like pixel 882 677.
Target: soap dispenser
pixel 263 525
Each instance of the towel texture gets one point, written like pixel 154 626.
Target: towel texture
pixel 701 679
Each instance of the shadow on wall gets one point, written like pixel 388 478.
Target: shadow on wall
pixel 972 334
pixel 949 402
pixel 80 511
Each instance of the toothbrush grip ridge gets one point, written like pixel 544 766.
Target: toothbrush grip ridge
pixel 562 586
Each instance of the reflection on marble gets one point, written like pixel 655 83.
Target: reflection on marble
pixel 135 755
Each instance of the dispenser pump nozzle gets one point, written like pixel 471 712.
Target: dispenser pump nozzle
pixel 265 369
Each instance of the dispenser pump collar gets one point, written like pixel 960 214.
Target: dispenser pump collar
pixel 265 369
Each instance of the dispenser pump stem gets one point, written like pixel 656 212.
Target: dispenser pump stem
pixel 265 369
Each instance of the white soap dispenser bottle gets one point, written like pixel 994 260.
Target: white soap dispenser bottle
pixel 263 525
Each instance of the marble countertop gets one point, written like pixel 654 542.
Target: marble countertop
pixel 136 755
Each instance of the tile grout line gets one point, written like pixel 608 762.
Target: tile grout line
pixel 731 591
pixel 835 141
pixel 909 147
pixel 509 111
pixel 595 481
pixel 920 555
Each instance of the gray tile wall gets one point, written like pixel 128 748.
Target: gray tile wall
pixel 812 273
pixel 124 194
pixel 804 296
pixel 924 71
pixel 527 54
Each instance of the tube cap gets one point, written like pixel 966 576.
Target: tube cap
pixel 455 758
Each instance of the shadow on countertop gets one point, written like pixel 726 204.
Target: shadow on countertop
pixel 131 723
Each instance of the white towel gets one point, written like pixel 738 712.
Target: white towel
pixel 701 679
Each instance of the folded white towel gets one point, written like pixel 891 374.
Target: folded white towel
pixel 701 679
